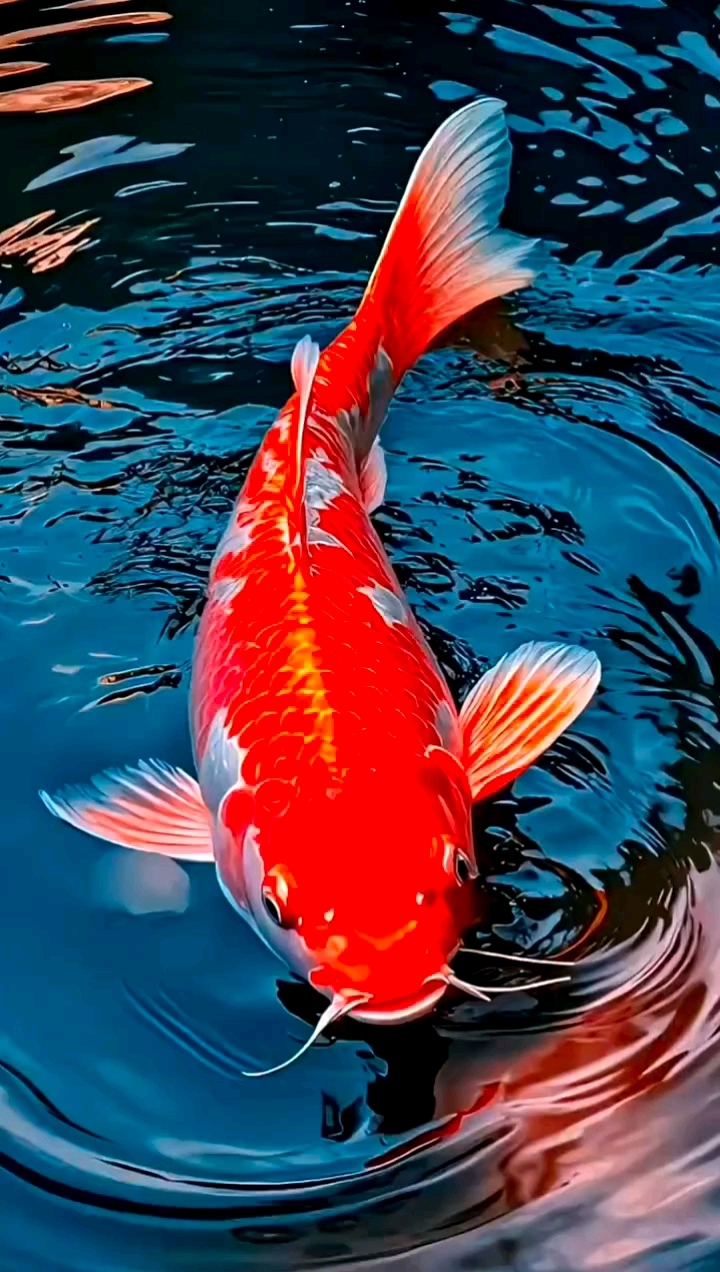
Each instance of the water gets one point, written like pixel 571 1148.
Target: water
pixel 230 195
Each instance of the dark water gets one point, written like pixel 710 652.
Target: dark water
pixel 242 196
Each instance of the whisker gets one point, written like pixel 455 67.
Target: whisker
pixel 482 991
pixel 518 958
pixel 472 990
pixel 340 1006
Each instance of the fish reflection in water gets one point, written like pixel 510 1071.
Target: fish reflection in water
pixel 594 1135
pixel 610 1122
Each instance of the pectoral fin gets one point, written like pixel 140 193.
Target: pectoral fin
pixel 519 708
pixel 154 808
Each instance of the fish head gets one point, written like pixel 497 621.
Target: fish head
pixel 365 887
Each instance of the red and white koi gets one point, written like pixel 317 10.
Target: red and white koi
pixel 335 775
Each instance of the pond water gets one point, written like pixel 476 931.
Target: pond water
pixel 553 474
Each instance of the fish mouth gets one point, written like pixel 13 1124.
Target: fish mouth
pixel 400 1010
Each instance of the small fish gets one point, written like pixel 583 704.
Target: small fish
pixel 335 775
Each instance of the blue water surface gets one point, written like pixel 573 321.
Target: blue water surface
pixel 553 474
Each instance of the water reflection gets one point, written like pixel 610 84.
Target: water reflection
pixel 17 39
pixel 66 95
pixel 45 248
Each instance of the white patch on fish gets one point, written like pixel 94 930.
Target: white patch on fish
pixel 220 770
pixel 322 487
pixel 225 590
pixel 285 943
pixel 387 604
pixel 237 538
pixel 270 465
pixel 448 727
pixel 322 484
pixel 236 905
pixel 321 538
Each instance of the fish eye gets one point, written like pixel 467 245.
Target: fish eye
pixel 457 862
pixel 272 909
pixel 463 867
pixel 276 896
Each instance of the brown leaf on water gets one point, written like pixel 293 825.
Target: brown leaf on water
pixel 20 68
pixel 13 39
pixel 66 95
pixel 48 248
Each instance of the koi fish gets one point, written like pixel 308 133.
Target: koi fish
pixel 335 775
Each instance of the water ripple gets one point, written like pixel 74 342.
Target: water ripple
pixel 553 472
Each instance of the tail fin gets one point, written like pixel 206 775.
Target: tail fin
pixel 443 257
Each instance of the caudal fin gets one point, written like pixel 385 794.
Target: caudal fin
pixel 443 257
pixel 444 254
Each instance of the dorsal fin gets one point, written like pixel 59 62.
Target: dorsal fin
pixel 303 366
